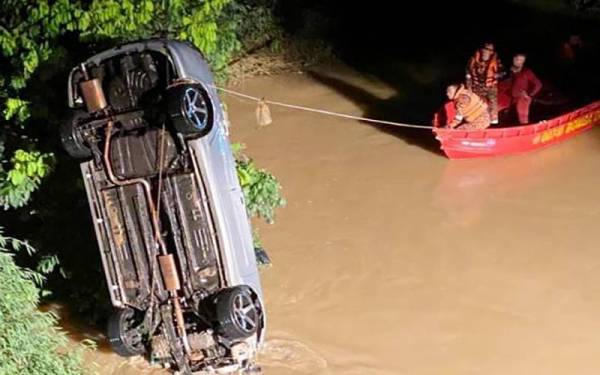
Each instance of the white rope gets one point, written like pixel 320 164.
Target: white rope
pixel 321 111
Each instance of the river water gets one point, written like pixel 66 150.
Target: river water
pixel 391 259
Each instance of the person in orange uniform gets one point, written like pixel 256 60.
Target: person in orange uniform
pixel 483 70
pixel 524 86
pixel 471 111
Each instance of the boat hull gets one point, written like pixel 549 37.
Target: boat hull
pixel 461 144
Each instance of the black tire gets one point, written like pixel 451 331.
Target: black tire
pixel 238 313
pixel 124 335
pixel 190 109
pixel 262 258
pixel 71 139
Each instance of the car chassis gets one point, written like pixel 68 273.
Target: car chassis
pixel 168 211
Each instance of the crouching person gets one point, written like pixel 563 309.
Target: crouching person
pixel 471 111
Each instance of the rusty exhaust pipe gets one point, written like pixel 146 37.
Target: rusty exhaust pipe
pixel 172 283
pixel 92 92
pixel 166 260
pixel 95 101
pixel 145 184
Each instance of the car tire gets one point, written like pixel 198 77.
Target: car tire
pixel 238 314
pixel 71 140
pixel 190 109
pixel 124 335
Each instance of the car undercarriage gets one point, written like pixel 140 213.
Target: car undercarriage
pixel 152 146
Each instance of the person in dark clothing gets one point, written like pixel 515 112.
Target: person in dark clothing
pixel 524 85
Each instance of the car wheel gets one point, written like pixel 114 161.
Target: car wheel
pixel 190 109
pixel 237 313
pixel 71 139
pixel 124 333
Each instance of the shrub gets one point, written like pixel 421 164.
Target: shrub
pixel 30 342
pixel 261 189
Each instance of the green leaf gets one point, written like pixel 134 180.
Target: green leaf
pixel 16 177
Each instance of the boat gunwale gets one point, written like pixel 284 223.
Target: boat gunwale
pixel 519 130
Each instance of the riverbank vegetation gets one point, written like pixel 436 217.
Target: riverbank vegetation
pixel 31 341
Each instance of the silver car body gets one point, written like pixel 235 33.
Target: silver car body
pixel 214 161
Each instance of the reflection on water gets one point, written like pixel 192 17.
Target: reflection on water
pixel 467 186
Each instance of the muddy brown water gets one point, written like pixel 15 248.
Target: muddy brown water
pixel 391 259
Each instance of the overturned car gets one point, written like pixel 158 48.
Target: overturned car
pixel 167 207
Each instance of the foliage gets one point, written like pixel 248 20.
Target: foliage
pixel 261 189
pixel 200 23
pixel 586 6
pixel 36 35
pixel 30 33
pixel 23 177
pixel 30 343
pixel 262 31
